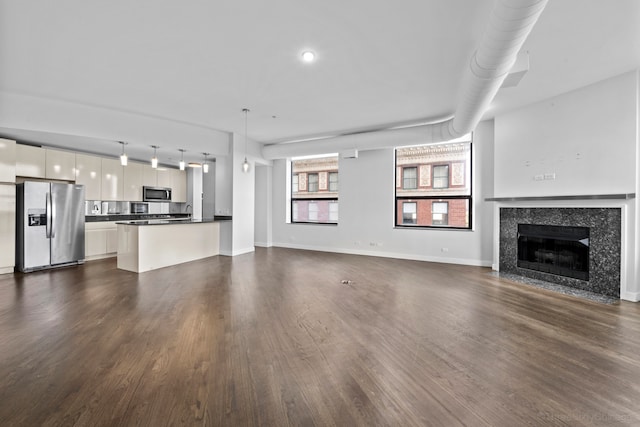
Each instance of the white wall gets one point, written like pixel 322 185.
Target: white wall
pixel 366 217
pixel 224 182
pixel 587 138
pixel 263 207
pixel 235 196
pixel 194 191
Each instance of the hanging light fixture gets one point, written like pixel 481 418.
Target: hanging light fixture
pixel 245 164
pixel 205 165
pixel 182 164
pixel 154 159
pixel 123 157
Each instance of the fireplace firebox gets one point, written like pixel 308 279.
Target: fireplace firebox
pixel 560 250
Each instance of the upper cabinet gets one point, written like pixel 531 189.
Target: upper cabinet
pixel 164 177
pixel 89 174
pixel 149 176
pixel 133 174
pixel 179 186
pixel 112 180
pixel 30 161
pixel 60 165
pixel 7 160
pixel 103 178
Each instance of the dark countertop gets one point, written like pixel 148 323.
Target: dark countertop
pixel 175 221
pixel 132 217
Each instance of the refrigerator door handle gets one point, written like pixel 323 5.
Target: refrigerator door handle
pixel 48 215
pixel 53 215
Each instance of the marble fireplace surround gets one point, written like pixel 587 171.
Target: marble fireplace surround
pixel 605 225
pixel 605 215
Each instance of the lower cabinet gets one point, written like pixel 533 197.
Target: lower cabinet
pixel 100 240
pixel 7 227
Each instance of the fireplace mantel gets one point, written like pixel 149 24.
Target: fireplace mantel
pixel 623 196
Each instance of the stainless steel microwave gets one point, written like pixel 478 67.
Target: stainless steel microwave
pixel 156 194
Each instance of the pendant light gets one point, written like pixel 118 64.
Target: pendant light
pixel 205 165
pixel 123 157
pixel 181 150
pixel 154 159
pixel 245 164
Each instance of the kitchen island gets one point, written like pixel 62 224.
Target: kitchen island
pixel 150 244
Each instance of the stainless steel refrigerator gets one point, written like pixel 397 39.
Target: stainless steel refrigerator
pixel 49 225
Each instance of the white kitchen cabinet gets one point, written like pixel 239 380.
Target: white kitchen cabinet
pixel 30 161
pixel 179 186
pixel 133 177
pixel 60 165
pixel 164 177
pixel 112 180
pixel 7 227
pixel 100 239
pixel 149 176
pixel 89 174
pixel 112 239
pixel 7 160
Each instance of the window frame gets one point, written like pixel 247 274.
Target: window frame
pixel 398 199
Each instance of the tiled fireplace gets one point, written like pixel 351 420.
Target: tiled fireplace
pixel 576 247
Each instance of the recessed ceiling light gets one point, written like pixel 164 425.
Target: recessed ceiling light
pixel 308 56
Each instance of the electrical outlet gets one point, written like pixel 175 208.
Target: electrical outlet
pixel 444 249
pixel 549 176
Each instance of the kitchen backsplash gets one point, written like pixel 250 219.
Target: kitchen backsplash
pixel 99 207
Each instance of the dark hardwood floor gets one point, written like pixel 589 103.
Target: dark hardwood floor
pixel 275 339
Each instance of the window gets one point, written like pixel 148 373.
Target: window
pixel 314 190
pixel 410 178
pixel 313 211
pixel 441 176
pixel 333 212
pixel 312 183
pixel 333 182
pixel 434 188
pixel 440 213
pixel 409 212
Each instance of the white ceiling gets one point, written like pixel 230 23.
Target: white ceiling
pixel 196 64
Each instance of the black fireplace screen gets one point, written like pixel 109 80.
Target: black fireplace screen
pixel 554 249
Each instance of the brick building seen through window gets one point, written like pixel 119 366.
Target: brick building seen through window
pixel 314 190
pixel 433 185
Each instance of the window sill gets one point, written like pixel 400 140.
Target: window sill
pixel 425 227
pixel 313 223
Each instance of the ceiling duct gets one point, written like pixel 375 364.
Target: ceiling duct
pixel 510 23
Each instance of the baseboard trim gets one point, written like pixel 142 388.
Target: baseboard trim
pixel 630 296
pixel 238 252
pixel 102 256
pixel 396 255
pixel 263 244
